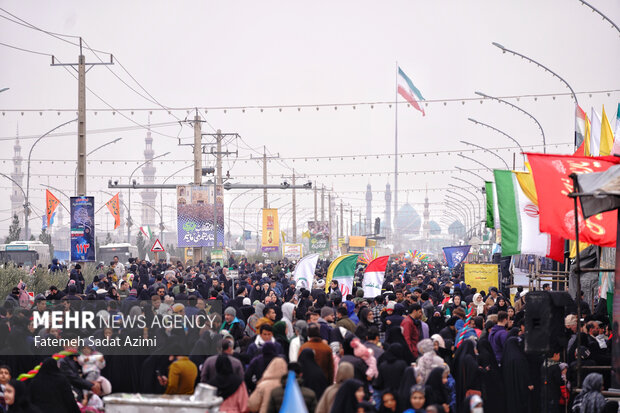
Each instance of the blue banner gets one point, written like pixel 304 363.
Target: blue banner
pixel 456 255
pixel 247 235
pixel 196 214
pixel 82 228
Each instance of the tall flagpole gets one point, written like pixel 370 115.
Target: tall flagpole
pixel 394 232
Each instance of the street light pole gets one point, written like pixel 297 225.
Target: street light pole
pixel 504 50
pixel 471 172
pixel 23 193
pixel 27 203
pixel 473 207
pixel 161 221
pixel 503 133
pixel 89 153
pixel 129 220
pixel 230 206
pixel 244 209
pixel 542 132
pixel 458 206
pixel 486 150
pixel 477 201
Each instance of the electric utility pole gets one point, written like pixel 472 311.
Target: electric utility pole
pixel 315 202
pixel 265 158
pixel 81 147
pixel 323 204
pixel 218 191
pixel 293 177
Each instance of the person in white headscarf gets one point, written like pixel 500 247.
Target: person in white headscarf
pixel 478 302
pixel 428 359
pixel 287 316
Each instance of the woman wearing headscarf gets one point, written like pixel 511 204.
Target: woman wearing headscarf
pixel 466 373
pixel 492 388
pixel 301 336
pixel 500 305
pixel 366 321
pixel 516 377
pixel 280 335
pixel 230 387
pixel 257 293
pixel 428 359
pixel 409 379
pixel 259 399
pixel 351 310
pixel 348 397
pixel 590 400
pixel 313 376
pixel 436 323
pixel 389 402
pixel 345 372
pixel 478 302
pixel 50 391
pixel 391 369
pixel 437 391
pixel 17 398
pixel 250 328
pixel 288 310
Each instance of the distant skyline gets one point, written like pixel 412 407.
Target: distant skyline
pixel 296 58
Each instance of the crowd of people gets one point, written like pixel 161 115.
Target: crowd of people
pixel 428 343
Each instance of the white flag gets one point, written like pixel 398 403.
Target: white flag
pixel 304 271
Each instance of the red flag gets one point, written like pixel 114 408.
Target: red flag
pixel 51 202
pixel 556 248
pixel 557 216
pixel 112 205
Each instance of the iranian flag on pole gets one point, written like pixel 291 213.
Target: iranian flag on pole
pixel 518 217
pixel 373 276
pixel 342 269
pixel 407 89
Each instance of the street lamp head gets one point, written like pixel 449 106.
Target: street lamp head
pixel 503 49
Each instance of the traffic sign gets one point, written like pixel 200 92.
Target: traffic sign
pixel 157 247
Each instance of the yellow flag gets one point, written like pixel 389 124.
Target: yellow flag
pixel 607 135
pixel 526 182
pixel 573 247
pixel 305 234
pixel 283 236
pixel 588 138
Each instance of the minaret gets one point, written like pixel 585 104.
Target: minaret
pixel 368 209
pixel 388 210
pixel 17 196
pixel 148 195
pixel 426 226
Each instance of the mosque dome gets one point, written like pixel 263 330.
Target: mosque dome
pixel 435 229
pixel 408 220
pixel 456 228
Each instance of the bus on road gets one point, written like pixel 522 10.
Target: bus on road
pixel 27 253
pixel 123 251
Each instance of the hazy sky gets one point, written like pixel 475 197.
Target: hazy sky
pixel 328 54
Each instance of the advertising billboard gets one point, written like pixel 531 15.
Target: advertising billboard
pixel 195 216
pixel 82 228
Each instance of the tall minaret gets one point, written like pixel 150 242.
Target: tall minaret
pixel 426 227
pixel 148 195
pixel 17 196
pixel 388 211
pixel 368 209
